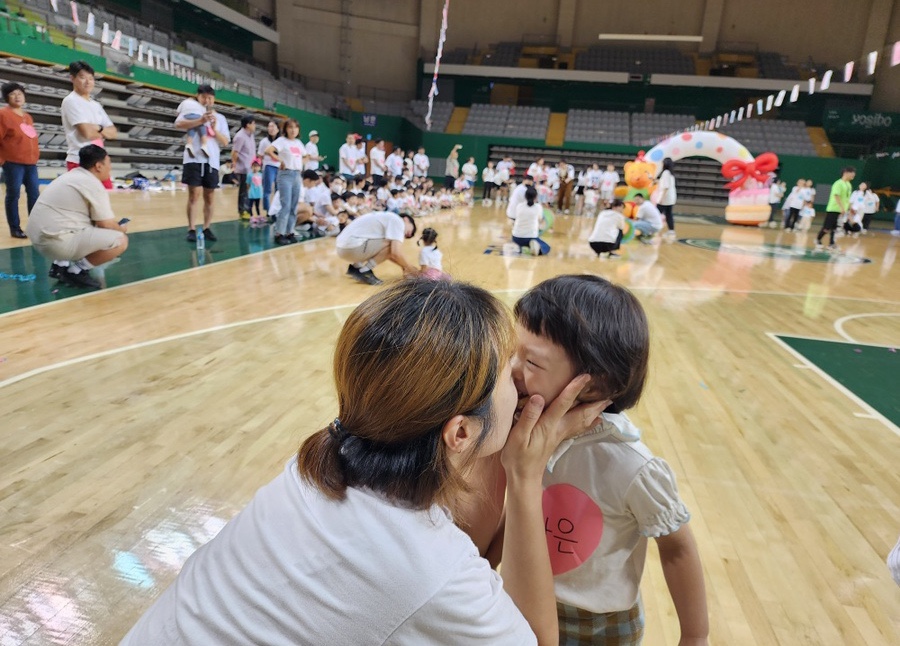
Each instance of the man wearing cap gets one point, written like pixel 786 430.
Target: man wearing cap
pixel 312 151
pixel 243 152
pixel 201 168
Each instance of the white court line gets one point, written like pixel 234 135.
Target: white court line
pixel 872 413
pixel 839 325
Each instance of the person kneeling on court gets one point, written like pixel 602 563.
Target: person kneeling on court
pixel 73 223
pixel 374 238
pixel 648 220
pixel 606 238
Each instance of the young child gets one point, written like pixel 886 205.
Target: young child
pixel 430 258
pixel 807 213
pixel 604 489
pixel 255 192
pixel 607 234
pixel 195 138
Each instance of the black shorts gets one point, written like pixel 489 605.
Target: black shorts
pixel 831 220
pixel 203 175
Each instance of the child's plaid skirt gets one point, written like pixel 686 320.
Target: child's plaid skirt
pixel 579 627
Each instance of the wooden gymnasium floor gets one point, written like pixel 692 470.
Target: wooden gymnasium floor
pixel 137 420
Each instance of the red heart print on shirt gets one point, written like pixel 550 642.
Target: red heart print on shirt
pixel 28 129
pixel 573 524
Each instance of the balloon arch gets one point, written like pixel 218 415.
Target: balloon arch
pixel 749 176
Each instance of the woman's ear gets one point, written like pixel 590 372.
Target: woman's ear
pixel 458 434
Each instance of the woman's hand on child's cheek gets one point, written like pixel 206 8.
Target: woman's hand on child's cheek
pixel 539 430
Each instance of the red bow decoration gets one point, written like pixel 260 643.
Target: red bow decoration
pixel 739 172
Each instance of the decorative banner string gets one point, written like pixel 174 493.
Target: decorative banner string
pixel 773 100
pixel 437 63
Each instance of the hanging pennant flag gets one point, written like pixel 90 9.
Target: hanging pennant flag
pixel 780 98
pixel 826 81
pixel 895 53
pixel 871 59
pixel 117 40
pixel 719 121
pixel 759 106
pixel 131 47
pixel 55 6
pixel 749 110
pixel 433 92
pixel 104 35
pixel 89 30
pixel 848 72
pixel 769 101
pixel 733 116
pixel 812 85
pixel 74 12
pixel 740 114
pixel 795 93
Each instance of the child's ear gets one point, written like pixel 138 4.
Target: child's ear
pixel 596 390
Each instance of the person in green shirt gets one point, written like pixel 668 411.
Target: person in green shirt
pixel 838 204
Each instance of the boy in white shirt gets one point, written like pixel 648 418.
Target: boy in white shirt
pixel 377 157
pixel 609 179
pixel 421 163
pixel 347 157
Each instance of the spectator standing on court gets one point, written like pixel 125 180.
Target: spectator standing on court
pixel 201 171
pixel 838 204
pixel 566 182
pixel 243 150
pixel 347 158
pixel 451 171
pixel 421 163
pixel 18 153
pixel 269 164
pixel 83 118
pixel 312 151
pixel 73 222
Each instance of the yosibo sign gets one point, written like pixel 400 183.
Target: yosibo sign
pixel 855 121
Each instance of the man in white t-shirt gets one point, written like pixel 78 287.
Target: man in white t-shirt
pixel 200 170
pixel 374 238
pixel 73 223
pixel 649 220
pixel 377 159
pixel 394 162
pixel 361 158
pixel 83 119
pixel 347 158
pixel 421 163
pixel 312 151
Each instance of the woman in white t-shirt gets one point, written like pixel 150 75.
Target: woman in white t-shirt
pixel 668 195
pixel 606 237
pixel 354 542
pixel 291 154
pixel 527 227
pixel 270 164
pixel 487 178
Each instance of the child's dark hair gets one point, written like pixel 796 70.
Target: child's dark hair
pixel 602 328
pixel 429 235
pixel 530 195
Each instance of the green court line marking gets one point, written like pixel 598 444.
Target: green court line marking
pixel 767 250
pixel 865 373
pixel 150 254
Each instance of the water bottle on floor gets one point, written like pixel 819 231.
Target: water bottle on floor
pixel 201 240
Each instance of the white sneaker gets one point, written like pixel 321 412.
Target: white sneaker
pixel 818 247
pixel 566 211
pixel 895 232
pixel 535 247
pixel 773 225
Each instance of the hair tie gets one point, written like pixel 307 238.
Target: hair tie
pixel 337 431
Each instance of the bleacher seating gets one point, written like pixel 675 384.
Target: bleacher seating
pixel 634 60
pixel 440 114
pixel 503 55
pixel 763 135
pixel 647 128
pixel 595 126
pixel 529 122
pixel 772 66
